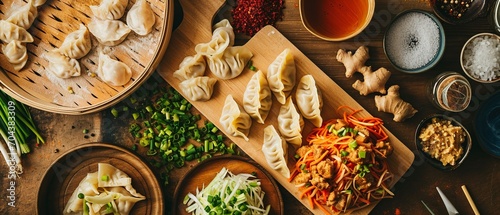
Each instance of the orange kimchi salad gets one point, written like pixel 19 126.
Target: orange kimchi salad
pixel 344 165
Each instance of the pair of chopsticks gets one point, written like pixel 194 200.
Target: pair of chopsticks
pixel 451 209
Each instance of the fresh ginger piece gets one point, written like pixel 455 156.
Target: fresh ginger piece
pixel 353 62
pixel 374 81
pixel 392 103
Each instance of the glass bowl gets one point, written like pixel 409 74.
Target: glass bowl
pixel 455 17
pixel 410 39
pixel 466 145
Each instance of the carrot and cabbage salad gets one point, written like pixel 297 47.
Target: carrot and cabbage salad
pixel 344 165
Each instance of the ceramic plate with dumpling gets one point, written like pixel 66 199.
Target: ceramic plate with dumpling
pixel 102 173
pixel 50 50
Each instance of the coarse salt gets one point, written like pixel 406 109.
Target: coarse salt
pixel 482 58
pixel 412 41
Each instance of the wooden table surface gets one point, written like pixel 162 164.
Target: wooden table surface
pixel 478 172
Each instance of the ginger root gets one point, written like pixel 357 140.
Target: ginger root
pixel 374 81
pixel 353 62
pixel 392 103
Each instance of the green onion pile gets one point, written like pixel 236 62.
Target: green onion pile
pixel 228 193
pixel 166 125
pixel 16 129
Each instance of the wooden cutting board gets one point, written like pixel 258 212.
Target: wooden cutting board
pixel 266 45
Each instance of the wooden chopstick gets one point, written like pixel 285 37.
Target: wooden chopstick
pixel 469 198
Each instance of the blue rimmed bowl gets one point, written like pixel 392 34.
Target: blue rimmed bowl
pixel 406 36
pixel 487 125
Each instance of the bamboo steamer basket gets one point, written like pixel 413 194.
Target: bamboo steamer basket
pixel 34 86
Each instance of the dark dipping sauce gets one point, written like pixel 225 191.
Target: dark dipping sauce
pixel 335 18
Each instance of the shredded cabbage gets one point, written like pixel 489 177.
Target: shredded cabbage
pixel 228 193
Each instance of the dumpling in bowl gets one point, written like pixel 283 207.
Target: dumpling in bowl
pixel 113 72
pixel 257 98
pixel 77 44
pixel 109 9
pixel 88 186
pixel 16 54
pixel 234 120
pixel 191 67
pixel 281 75
pixel 24 16
pixel 140 18
pixel 62 66
pixel 309 100
pixel 109 32
pixel 110 176
pixel 275 151
pixel 290 123
pixel 10 32
pixel 198 88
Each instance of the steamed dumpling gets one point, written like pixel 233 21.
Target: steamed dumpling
pixel 234 120
pixel 215 48
pixel 88 186
pixel 113 72
pixel 225 25
pixel 275 151
pixel 24 16
pixel 281 75
pixel 62 66
pixel 109 9
pixel 77 44
pixel 110 176
pixel 109 32
pixel 257 98
pixel 10 32
pixel 16 54
pixel 290 123
pixel 198 88
pixel 191 67
pixel 309 100
pixel 140 18
pixel 236 58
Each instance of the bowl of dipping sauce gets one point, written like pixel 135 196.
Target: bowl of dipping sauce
pixel 458 11
pixel 480 58
pixel 450 91
pixel 443 141
pixel 336 20
pixel 414 41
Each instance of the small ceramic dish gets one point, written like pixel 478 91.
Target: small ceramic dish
pixel 467 49
pixel 414 41
pixel 466 145
pixel 336 22
pixel 454 12
pixel 487 125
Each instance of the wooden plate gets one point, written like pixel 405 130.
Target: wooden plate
pixel 64 175
pixel 56 19
pixel 204 172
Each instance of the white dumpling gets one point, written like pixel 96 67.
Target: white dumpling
pixel 290 123
pixel 236 58
pixel 141 18
pixel 225 25
pixel 219 67
pixel 191 67
pixel 109 9
pixel 10 32
pixel 281 75
pixel 257 98
pixel 88 186
pixel 16 53
pixel 275 151
pixel 24 16
pixel 234 120
pixel 62 66
pixel 309 100
pixel 198 88
pixel 113 72
pixel 215 48
pixel 124 204
pixel 77 44
pixel 110 176
pixel 109 32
